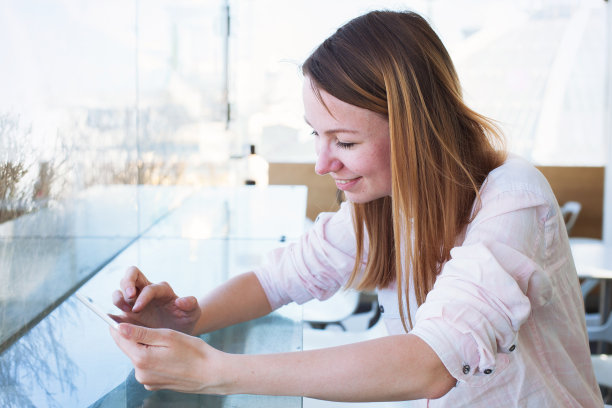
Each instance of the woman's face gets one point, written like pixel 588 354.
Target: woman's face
pixel 352 145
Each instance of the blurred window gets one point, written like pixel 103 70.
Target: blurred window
pixel 537 67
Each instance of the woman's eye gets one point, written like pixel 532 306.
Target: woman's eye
pixel 344 145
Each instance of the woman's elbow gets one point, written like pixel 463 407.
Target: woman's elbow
pixel 439 387
pixel 436 380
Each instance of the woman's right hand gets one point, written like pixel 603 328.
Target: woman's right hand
pixel 154 304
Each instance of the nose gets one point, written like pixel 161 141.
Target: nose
pixel 326 163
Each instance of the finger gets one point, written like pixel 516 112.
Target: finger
pixel 139 354
pixel 151 381
pixel 187 304
pixel 132 281
pixel 159 291
pixel 114 334
pixel 144 335
pixel 119 301
pixel 124 319
pixel 128 347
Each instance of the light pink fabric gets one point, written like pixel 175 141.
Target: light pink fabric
pixel 506 314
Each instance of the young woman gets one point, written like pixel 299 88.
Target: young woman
pixel 465 245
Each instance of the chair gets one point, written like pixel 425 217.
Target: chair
pixel 602 363
pixel 588 250
pixel 570 211
pixel 600 332
pixel 602 366
pixel 320 314
pixel 314 339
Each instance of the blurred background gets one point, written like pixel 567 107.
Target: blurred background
pixel 172 92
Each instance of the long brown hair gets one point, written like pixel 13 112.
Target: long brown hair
pixel 393 63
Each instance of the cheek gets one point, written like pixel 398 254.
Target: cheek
pixel 383 169
pixel 383 160
pixel 377 167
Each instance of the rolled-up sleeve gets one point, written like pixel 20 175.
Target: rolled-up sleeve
pixel 314 267
pixel 487 289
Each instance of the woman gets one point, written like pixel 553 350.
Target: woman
pixel 438 219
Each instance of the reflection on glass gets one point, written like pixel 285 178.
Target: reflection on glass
pixel 32 370
pixel 287 337
pixel 98 97
pixel 47 268
pixel 70 360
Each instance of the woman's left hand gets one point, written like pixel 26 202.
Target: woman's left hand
pixel 167 359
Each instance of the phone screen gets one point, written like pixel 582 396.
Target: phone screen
pixel 87 301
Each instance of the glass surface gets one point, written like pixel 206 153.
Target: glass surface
pixel 47 253
pixel 48 269
pixel 237 213
pixel 69 359
pixel 97 98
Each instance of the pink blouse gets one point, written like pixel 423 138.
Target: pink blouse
pixel 506 314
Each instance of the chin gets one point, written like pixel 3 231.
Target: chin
pixel 362 198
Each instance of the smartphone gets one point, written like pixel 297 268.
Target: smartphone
pixel 97 310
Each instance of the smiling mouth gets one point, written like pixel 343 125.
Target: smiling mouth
pixel 344 184
pixel 345 181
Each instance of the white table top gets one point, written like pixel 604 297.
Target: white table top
pixel 592 257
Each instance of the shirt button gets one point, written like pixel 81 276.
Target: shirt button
pixel 466 368
pixel 488 371
pixel 381 308
pixel 512 347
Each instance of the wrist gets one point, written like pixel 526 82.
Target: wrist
pixel 228 373
pixel 208 370
pixel 199 325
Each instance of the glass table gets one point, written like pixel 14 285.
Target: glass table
pixel 64 356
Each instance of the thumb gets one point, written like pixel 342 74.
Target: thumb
pixel 187 304
pixel 140 334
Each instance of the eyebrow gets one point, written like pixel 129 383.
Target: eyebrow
pixel 333 131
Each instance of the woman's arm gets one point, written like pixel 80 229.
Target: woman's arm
pixel 316 266
pixel 397 367
pixel 393 368
pixel 156 305
pixel 239 299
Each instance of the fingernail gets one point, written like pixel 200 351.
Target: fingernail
pixel 130 292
